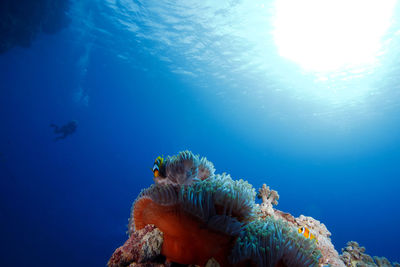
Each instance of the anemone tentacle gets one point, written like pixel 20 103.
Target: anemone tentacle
pixel 236 197
pixel 206 169
pixel 189 198
pixel 271 241
pixel 225 224
pixel 183 168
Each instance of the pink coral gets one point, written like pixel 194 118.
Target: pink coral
pixel 142 246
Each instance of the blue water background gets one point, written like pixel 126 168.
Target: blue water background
pixel 67 203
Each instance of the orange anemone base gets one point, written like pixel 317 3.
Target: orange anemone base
pixel 186 239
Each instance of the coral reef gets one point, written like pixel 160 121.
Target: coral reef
pixel 355 256
pixel 195 217
pixel 316 226
pixel 206 216
pixel 329 255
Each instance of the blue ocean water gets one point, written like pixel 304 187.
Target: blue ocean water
pixel 146 78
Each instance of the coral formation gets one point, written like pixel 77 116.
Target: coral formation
pixel 142 246
pixel 206 216
pixel 382 261
pixel 208 219
pixel 269 198
pixel 329 255
pixel 316 226
pixel 355 256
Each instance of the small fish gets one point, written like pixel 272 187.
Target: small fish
pixel 157 165
pixel 306 232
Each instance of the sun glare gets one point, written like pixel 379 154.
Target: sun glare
pixel 329 35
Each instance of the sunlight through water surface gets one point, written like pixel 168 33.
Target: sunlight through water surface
pixel 332 35
pixel 329 54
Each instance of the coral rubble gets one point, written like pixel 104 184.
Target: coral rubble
pixel 194 217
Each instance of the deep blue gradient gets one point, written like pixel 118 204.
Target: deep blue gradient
pixel 67 203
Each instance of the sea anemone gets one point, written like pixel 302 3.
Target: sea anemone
pixel 184 168
pixel 199 221
pixel 271 243
pixel 204 216
pixel 235 197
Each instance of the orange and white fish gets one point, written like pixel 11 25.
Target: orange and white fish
pixel 306 232
pixel 157 165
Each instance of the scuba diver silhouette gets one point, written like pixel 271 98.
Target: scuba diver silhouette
pixel 64 130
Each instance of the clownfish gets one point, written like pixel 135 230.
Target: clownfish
pixel 157 165
pixel 306 232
